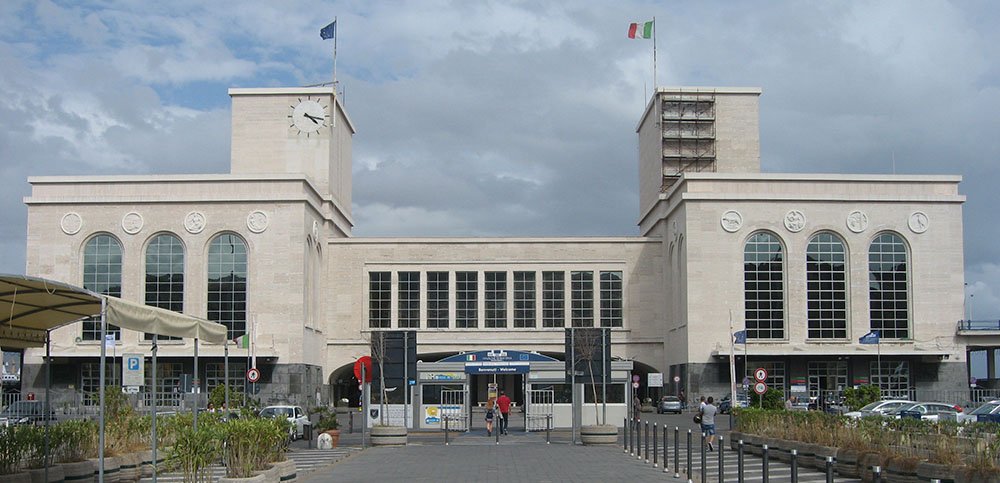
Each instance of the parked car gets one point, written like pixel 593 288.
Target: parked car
pixel 294 414
pixel 928 411
pixel 878 408
pixel 669 404
pixel 25 412
pixel 989 411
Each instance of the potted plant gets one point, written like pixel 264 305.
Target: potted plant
pixel 327 424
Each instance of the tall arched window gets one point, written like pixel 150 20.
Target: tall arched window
pixel 888 286
pixel 102 273
pixel 826 287
pixel 227 283
pixel 764 287
pixel 165 275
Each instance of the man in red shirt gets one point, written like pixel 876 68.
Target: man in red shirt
pixel 503 402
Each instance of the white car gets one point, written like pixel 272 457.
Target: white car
pixel 928 411
pixel 294 414
pixel 991 407
pixel 878 408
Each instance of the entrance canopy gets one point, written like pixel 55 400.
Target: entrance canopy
pixel 30 307
pixel 498 361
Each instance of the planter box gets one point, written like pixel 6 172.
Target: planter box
pixel 388 435
pixel 79 472
pixel 933 471
pixel 111 469
pixel 128 467
pixel 866 462
pixel 286 470
pixel 599 434
pixel 252 479
pixel 55 475
pixel 820 455
pixel 24 477
pixel 968 475
pixel 900 470
pixel 847 463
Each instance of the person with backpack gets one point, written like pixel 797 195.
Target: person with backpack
pixel 707 414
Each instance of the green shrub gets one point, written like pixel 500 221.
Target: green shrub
pixel 194 451
pixel 862 396
pixel 252 443
pixel 78 440
pixel 327 419
pixel 773 399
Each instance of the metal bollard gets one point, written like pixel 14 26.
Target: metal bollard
pixel 677 452
pixel 739 462
pixel 666 448
pixel 704 475
pixel 638 440
pixel 625 436
pixel 689 457
pixel 496 428
pixel 350 422
pixel 877 474
pixel 722 461
pixel 829 469
pixel 446 443
pixel 548 429
pixel 763 455
pixel 655 449
pixel 645 441
pixel 795 466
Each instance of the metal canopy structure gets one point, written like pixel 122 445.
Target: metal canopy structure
pixel 31 307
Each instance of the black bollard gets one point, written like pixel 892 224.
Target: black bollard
pixel 645 441
pixel 689 455
pixel 722 461
pixel 666 448
pixel 548 428
pixel 795 466
pixel 739 462
pixel 655 449
pixel 829 469
pixel 763 455
pixel 446 430
pixel 625 436
pixel 677 452
pixel 877 474
pixel 704 474
pixel 496 428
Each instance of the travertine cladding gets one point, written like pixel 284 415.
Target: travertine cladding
pixel 737 136
pixel 639 259
pixel 277 263
pixel 264 143
pixel 713 275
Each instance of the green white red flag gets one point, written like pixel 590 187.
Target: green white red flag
pixel 640 30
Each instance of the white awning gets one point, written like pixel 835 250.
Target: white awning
pixel 30 306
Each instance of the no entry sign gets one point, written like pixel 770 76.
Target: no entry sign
pixel 253 375
pixel 367 362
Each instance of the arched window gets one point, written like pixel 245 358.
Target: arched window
pixel 102 273
pixel 165 276
pixel 227 283
pixel 826 287
pixel 888 286
pixel 764 287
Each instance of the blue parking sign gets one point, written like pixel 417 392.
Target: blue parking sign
pixel 133 363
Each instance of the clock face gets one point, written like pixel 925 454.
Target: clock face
pixel 308 116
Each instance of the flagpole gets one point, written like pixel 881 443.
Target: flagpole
pixel 732 362
pixel 335 53
pixel 878 359
pixel 654 59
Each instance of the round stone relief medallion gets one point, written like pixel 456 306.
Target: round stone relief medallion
pixel 918 222
pixel 71 223
pixel 795 221
pixel 857 221
pixel 732 221
pixel 194 222
pixel 132 223
pixel 257 221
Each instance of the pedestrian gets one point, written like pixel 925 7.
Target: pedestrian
pixel 683 398
pixel 636 409
pixel 701 403
pixel 789 404
pixel 707 414
pixel 503 403
pixel 490 414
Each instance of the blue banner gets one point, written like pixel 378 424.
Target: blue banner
pixel 870 338
pixel 741 337
pixel 328 32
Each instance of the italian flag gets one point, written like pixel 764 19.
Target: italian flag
pixel 640 30
pixel 242 341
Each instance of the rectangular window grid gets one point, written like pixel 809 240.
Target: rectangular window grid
pixel 611 299
pixel 90 380
pixel 165 277
pixel 379 300
pixel 582 310
pixel 496 299
pixel 828 377
pixel 826 285
pixel 168 388
pixel 888 287
pixel 892 378
pixel 215 375
pixel 466 300
pixel 524 299
pixel 409 300
pixel 553 299
pixel 102 273
pixel 227 283
pixel 437 300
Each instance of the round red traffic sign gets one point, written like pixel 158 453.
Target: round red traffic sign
pixel 367 361
pixel 760 374
pixel 253 375
pixel 760 388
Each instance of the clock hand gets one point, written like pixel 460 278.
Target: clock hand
pixel 312 118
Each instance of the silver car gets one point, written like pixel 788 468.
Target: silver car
pixel 879 408
pixel 669 404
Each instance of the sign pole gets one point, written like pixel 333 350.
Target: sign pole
pixel 225 362
pixel 604 376
pixel 732 364
pixel 406 373
pixel 572 387
pixel 364 405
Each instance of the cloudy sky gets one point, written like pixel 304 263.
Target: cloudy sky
pixel 504 118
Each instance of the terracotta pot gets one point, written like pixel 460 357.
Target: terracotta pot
pixel 388 435
pixel 334 437
pixel 847 463
pixel 591 434
pixel 55 474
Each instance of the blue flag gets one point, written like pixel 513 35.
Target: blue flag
pixel 869 338
pixel 740 336
pixel 328 32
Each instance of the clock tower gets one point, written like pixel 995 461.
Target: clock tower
pixel 294 130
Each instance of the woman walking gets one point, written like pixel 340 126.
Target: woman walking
pixel 490 414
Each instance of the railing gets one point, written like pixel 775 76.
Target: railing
pixel 974 325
